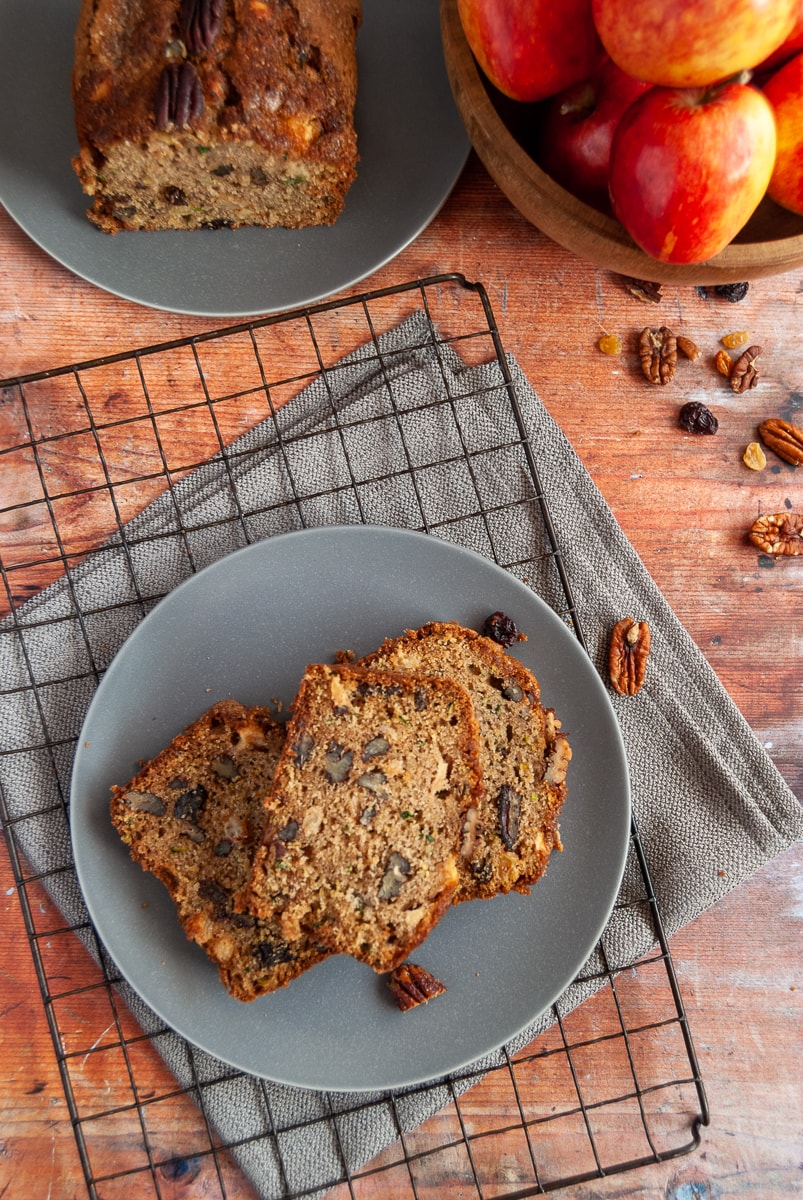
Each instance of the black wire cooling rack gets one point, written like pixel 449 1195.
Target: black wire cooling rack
pixel 609 1086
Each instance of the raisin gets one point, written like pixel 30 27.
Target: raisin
pixel 501 628
pixel 190 805
pixel 217 896
pixel 508 804
pixel 611 344
pixel 273 951
pixel 174 195
pixel 734 292
pixel 482 870
pixel 696 418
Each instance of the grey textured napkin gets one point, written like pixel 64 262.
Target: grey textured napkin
pixel 710 805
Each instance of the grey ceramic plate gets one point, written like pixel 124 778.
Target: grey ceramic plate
pixel 246 627
pixel 412 147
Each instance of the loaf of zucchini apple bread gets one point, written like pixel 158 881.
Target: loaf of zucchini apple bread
pixel 215 113
pixel 365 818
pixel 193 816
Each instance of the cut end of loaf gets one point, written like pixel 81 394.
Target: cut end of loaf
pixel 189 184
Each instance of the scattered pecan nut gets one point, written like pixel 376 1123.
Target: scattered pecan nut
pixel 627 655
pixel 658 351
pixel 784 438
pixel 778 533
pixel 412 985
pixel 744 373
pixel 688 348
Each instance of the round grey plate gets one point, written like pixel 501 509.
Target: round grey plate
pixel 412 148
pixel 245 628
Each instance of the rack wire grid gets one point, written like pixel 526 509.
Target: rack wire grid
pixel 610 1086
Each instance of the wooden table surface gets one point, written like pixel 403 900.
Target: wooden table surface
pixel 685 503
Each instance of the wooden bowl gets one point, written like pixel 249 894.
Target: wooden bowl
pixel 770 243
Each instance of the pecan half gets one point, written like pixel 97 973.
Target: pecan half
pixel 688 348
pixel 199 22
pixel 179 96
pixel 412 985
pixel 744 374
pixel 778 533
pixel 784 438
pixel 627 655
pixel 658 351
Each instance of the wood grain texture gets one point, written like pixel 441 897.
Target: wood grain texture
pixel 686 504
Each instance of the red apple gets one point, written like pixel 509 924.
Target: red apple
pixel 530 49
pixel 793 44
pixel 576 129
pixel 785 93
pixel 692 43
pixel 689 166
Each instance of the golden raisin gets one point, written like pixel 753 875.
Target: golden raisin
pixel 611 343
pixel 723 362
pixel 733 340
pixel 754 457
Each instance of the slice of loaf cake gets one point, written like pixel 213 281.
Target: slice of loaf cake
pixel 193 816
pixel 510 835
pixel 365 818
pixel 199 114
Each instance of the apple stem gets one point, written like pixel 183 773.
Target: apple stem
pixel 711 93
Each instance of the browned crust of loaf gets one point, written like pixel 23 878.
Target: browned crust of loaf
pixel 120 53
pixel 492 869
pixel 317 902
pixel 251 956
pixel 273 69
